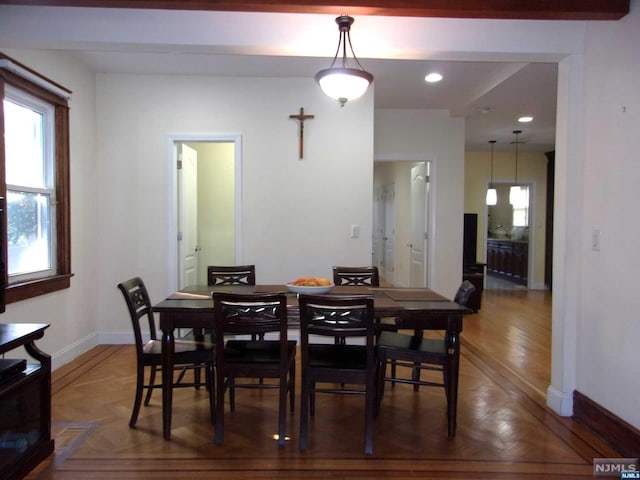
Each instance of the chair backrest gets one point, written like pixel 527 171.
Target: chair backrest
pixel 356 276
pixel 336 316
pixel 464 293
pixel 250 314
pixel 231 275
pixel 139 305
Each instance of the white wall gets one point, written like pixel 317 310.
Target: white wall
pixel 435 136
pixel 608 329
pixel 70 312
pixel 296 213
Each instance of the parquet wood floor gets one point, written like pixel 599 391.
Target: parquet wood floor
pixel 504 430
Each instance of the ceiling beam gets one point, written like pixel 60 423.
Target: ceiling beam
pixel 499 9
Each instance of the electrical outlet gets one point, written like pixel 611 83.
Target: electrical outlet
pixel 355 231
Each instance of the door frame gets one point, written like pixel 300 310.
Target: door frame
pixel 430 200
pixel 172 198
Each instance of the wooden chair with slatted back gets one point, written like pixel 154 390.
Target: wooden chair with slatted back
pixel 356 276
pixel 420 354
pixel 344 368
pixel 231 275
pixel 253 315
pixel 191 353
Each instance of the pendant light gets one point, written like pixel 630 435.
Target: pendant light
pixel 341 82
pixel 514 192
pixel 492 193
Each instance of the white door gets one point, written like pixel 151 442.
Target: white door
pixel 419 233
pixel 187 216
pixel 389 233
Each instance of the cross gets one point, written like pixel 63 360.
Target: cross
pixel 301 117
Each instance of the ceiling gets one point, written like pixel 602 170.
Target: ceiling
pixel 490 95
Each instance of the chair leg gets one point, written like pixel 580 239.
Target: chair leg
pixel 393 372
pixel 312 399
pixel 292 386
pixel 196 377
pixel 138 398
pixel 211 387
pixel 282 411
pixel 450 373
pixel 303 441
pixel 369 416
pixel 152 382
pixel 219 417
pixel 415 376
pixel 382 373
pixel 231 382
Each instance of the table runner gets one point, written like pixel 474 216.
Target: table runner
pixel 407 295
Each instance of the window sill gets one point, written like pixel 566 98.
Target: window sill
pixel 34 288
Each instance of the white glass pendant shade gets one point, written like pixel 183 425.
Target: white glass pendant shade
pixel 343 84
pixel 492 196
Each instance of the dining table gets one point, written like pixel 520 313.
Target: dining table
pixel 192 308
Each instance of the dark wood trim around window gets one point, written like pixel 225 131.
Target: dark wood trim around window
pixel 62 279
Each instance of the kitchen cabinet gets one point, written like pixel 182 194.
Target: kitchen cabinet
pixel 509 259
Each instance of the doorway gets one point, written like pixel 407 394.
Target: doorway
pixel 205 225
pixel 401 222
pixel 509 241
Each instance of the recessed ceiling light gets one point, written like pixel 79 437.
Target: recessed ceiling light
pixel 433 77
pixel 525 119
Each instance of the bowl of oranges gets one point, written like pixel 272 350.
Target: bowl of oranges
pixel 310 285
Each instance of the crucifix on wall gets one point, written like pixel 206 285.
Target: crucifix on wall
pixel 301 117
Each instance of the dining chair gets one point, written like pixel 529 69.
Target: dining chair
pixel 356 276
pixel 344 368
pixel 440 354
pixel 194 352
pixel 231 275
pixel 253 315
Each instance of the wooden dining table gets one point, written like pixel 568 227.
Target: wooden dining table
pixel 192 308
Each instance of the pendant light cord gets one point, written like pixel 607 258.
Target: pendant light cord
pixel 517 132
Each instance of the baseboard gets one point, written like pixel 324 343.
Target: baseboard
pixel 73 351
pixel 623 437
pixel 559 402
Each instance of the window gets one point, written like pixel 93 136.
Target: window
pixel 34 164
pixel 521 208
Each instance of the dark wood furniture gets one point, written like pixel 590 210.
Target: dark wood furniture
pixel 255 315
pixel 420 353
pixel 193 308
pixel 186 353
pixel 509 259
pixel 25 403
pixel 356 276
pixel 352 366
pixel 231 275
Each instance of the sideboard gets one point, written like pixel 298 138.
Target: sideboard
pixel 25 400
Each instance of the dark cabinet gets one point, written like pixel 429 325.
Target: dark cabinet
pixel 25 401
pixel 508 258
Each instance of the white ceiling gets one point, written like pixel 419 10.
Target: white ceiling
pixel 490 95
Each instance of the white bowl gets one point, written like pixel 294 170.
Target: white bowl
pixel 309 289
